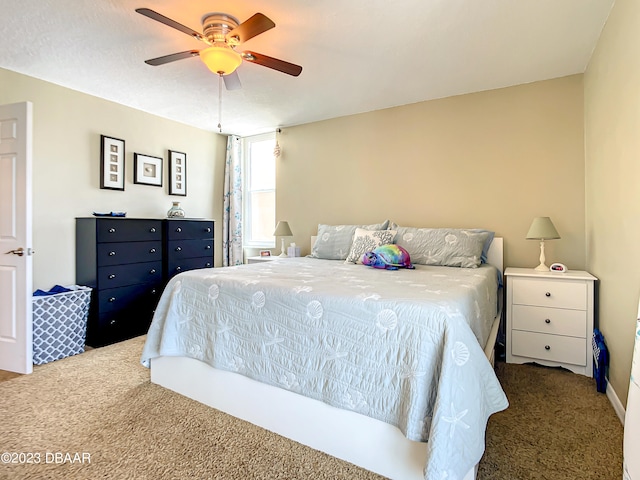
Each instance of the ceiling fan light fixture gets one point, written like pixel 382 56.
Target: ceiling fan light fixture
pixel 221 58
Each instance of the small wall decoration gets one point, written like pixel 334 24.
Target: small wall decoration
pixel 177 173
pixel 111 163
pixel 147 170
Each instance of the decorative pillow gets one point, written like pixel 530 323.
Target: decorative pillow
pixel 443 246
pixel 366 241
pixel 334 241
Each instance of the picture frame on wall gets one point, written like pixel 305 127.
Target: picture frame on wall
pixel 111 163
pixel 177 173
pixel 147 170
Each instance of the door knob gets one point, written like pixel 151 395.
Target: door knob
pixel 17 251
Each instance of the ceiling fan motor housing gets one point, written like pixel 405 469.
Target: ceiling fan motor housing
pixel 216 26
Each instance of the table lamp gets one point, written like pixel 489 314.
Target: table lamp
pixel 283 230
pixel 542 229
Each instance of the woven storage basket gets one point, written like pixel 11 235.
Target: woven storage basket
pixel 60 324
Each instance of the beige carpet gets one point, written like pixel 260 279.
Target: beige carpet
pixel 101 403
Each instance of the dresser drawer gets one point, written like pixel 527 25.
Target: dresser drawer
pixel 112 276
pixel 132 297
pixel 133 252
pixel 129 230
pixel 178 249
pixel 188 229
pixel 550 293
pixel 557 321
pixel 179 265
pixel 554 348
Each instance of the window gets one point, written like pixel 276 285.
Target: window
pixel 259 191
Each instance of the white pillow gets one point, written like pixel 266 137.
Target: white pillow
pixel 367 240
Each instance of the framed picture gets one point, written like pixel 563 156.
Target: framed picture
pixel 147 170
pixel 265 253
pixel 111 163
pixel 177 173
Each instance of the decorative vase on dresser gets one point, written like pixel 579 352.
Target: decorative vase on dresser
pixel 121 260
pixel 550 318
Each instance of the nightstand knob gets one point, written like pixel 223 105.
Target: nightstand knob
pixel 178 249
pixel 153 250
pixel 548 294
pixel 153 292
pixel 547 347
pixel 152 230
pixel 208 229
pixel 207 264
pixel 112 276
pixel 546 320
pixel 112 230
pixel 178 269
pixel 178 229
pixel 112 322
pixel 112 253
pixel 152 271
pixel 208 247
pixel 112 299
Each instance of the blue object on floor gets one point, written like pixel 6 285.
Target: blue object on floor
pixel 600 360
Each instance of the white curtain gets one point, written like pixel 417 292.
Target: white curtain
pixel 232 222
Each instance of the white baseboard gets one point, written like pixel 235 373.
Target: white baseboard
pixel 615 402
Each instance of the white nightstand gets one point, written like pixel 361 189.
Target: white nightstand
pixel 258 259
pixel 550 318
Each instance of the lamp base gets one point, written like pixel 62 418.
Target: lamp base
pixel 541 268
pixel 283 252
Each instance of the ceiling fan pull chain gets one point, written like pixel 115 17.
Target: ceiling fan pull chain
pixel 220 102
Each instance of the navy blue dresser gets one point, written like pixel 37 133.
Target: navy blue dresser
pixel 127 262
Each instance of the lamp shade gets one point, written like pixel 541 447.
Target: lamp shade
pixel 220 58
pixel 542 228
pixel 282 230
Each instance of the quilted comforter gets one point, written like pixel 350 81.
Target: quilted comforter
pixel 402 346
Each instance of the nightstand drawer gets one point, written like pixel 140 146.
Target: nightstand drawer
pixel 189 229
pixel 556 321
pixel 555 348
pixel 130 230
pixel 547 293
pixel 126 253
pixel 178 249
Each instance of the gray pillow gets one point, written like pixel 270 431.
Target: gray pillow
pixel 449 247
pixel 334 241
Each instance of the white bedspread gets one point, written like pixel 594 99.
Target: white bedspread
pixel 399 346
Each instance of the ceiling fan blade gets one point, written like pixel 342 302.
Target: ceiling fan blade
pixel 172 58
pixel 232 81
pixel 171 23
pixel 256 25
pixel 274 63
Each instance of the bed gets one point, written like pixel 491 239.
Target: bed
pixel 389 370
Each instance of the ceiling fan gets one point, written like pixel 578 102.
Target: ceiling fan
pixel 223 33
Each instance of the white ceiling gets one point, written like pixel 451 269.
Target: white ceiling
pixel 357 55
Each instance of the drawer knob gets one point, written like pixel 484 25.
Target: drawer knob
pixel 547 347
pixel 178 229
pixel 208 264
pixel 152 229
pixel 112 253
pixel 153 291
pixel 548 294
pixel 546 320
pixel 178 269
pixel 152 271
pixel 112 276
pixel 208 229
pixel 153 250
pixel 178 249
pixel 112 322
pixel 208 247
pixel 112 230
pixel 112 299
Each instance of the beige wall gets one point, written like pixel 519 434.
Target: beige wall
pixel 66 159
pixel 612 133
pixel 493 160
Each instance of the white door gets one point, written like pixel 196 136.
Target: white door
pixel 632 415
pixel 16 340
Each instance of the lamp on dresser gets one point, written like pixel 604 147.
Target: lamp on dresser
pixel 283 230
pixel 542 229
